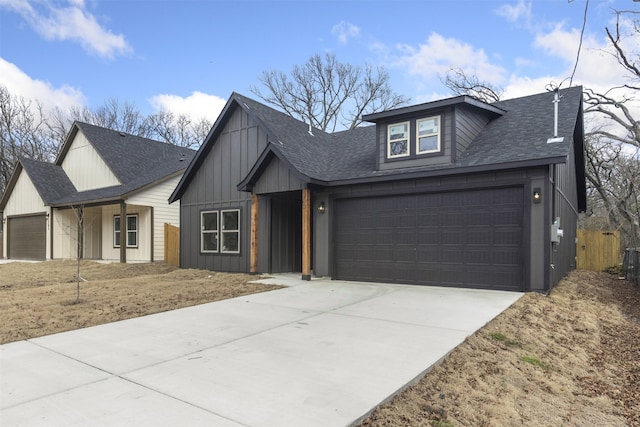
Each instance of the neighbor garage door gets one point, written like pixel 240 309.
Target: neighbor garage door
pixel 467 238
pixel 26 237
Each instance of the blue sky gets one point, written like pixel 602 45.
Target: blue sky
pixel 188 56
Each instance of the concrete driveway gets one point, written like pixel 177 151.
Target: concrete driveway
pixel 319 353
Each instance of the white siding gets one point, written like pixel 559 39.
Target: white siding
pixel 24 200
pixel 65 234
pixel 157 197
pixel 85 167
pixel 143 251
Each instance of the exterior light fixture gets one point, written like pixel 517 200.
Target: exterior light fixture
pixel 322 209
pixel 537 195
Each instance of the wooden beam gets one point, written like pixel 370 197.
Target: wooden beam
pixel 254 233
pixel 306 234
pixel 123 232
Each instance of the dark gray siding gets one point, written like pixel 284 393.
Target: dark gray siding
pixel 214 187
pixel 286 232
pixel 563 254
pixel 425 160
pixel 277 177
pixel 468 125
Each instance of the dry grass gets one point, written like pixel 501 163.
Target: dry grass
pixel 41 298
pixel 569 359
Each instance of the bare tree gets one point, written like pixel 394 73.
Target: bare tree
pixel 461 83
pixel 124 117
pixel 613 165
pixel 179 129
pixel 613 175
pixel 24 132
pixel 329 94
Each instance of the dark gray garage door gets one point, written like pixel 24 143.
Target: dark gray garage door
pixel 467 239
pixel 26 237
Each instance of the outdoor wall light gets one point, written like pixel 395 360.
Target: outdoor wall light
pixel 322 209
pixel 537 195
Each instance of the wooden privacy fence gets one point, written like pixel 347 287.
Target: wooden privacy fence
pixel 631 265
pixel 598 250
pixel 172 245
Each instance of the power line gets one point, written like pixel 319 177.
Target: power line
pixel 584 24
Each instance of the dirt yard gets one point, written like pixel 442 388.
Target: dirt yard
pixel 41 298
pixel 569 359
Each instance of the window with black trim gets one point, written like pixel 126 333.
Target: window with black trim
pixel 230 241
pixel 209 231
pixel 414 138
pixel 220 231
pixel 428 135
pixel 132 231
pixel 398 140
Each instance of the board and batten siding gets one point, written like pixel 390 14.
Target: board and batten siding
pixel 277 177
pixel 84 166
pixel 566 208
pixel 24 200
pixel 163 212
pixel 214 187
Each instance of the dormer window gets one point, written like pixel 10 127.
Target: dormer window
pixel 398 140
pixel 415 138
pixel 428 135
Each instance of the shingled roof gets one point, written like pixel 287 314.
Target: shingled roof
pixel 137 163
pixel 516 135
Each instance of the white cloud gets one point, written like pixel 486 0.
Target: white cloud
pixel 438 55
pixel 72 23
pixel 344 31
pixel 197 105
pixel 513 13
pixel 22 85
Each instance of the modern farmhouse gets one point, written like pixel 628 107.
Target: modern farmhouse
pixel 114 184
pixel 454 192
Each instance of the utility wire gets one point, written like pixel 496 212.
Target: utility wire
pixel 584 24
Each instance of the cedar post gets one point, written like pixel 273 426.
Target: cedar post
pixel 306 234
pixel 254 234
pixel 123 232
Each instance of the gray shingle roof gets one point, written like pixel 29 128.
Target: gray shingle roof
pixel 137 163
pixel 522 132
pixel 518 134
pixel 50 180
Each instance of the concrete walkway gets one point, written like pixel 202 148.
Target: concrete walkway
pixel 319 353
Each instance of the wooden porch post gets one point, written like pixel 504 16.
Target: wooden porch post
pixel 306 234
pixel 123 232
pixel 254 234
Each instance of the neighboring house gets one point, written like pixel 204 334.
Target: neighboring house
pixel 102 176
pixel 454 192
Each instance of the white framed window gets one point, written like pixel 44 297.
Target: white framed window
pixel 428 135
pixel 230 228
pixel 209 231
pixel 132 231
pixel 398 140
